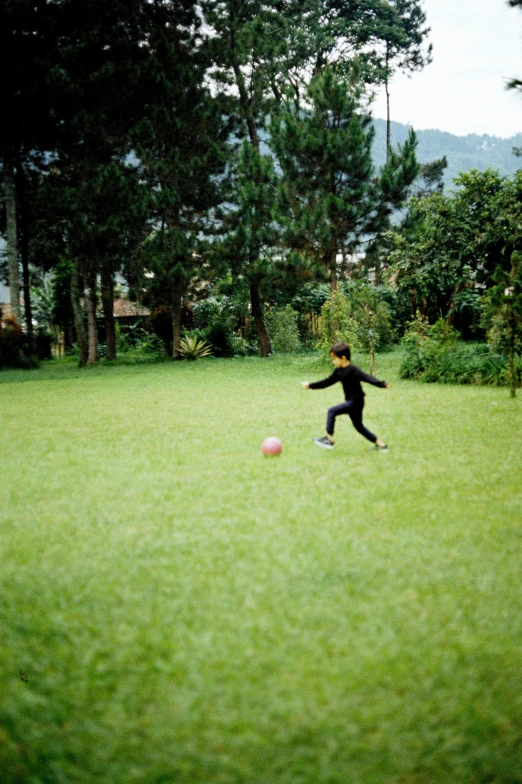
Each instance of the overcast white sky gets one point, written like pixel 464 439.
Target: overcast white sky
pixel 477 46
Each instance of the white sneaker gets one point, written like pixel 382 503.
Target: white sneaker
pixel 324 442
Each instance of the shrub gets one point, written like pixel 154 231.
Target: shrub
pixel 371 312
pixel 336 323
pixel 137 340
pixel 283 329
pixel 214 323
pixel 308 303
pixel 244 347
pixel 435 354
pixel 219 335
pixel 42 344
pixel 14 346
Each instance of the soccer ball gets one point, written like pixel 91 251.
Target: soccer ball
pixel 271 446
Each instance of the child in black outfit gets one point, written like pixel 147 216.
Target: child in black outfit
pixel 350 376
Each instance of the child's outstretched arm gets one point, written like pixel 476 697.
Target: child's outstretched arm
pixel 371 379
pixel 326 382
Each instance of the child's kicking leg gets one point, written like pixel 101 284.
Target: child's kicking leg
pixel 355 413
pixel 333 412
pixel 354 410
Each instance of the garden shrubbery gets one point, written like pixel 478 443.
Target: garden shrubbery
pixel 15 350
pixel 337 323
pixel 435 354
pixel 135 339
pixel 283 329
pixel 222 326
pixel 350 313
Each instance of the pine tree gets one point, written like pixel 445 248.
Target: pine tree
pixel 515 84
pixel 181 148
pixel 26 125
pixel 382 35
pixel 97 97
pixel 331 199
pixel 251 241
pixel 250 48
pixel 400 34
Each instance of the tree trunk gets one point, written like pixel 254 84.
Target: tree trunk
pixel 372 352
pixel 414 307
pixel 24 226
pixel 388 114
pixel 78 314
pixel 107 296
pixel 91 302
pixel 177 302
pixel 388 123
pixel 333 269
pixel 259 320
pixel 11 235
pixel 512 346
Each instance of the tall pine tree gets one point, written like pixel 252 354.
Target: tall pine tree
pixel 248 42
pixel 181 145
pixel 331 200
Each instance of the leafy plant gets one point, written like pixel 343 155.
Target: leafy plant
pixel 505 304
pixel 215 325
pixel 435 354
pixel 283 329
pixel 43 303
pixel 134 338
pixel 14 347
pixel 336 323
pixel 371 313
pixel 191 347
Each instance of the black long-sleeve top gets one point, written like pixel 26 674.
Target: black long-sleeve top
pixel 350 377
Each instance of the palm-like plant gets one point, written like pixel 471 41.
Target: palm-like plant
pixel 192 347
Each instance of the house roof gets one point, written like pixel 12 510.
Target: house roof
pixel 123 308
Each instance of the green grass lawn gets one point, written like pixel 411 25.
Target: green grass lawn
pixel 186 611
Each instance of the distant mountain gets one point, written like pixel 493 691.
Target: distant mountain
pixel 463 152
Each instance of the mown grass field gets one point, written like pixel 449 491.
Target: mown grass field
pixel 186 611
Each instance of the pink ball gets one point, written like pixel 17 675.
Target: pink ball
pixel 271 446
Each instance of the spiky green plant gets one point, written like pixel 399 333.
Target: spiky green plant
pixel 191 347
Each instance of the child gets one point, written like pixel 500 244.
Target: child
pixel 350 376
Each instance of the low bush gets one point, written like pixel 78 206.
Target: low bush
pixel 136 340
pixel 215 325
pixel 43 341
pixel 435 354
pixel 14 346
pixel 219 335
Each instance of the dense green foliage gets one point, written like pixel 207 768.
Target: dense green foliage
pixel 186 610
pixel 337 323
pixel 445 254
pixel 435 354
pixel 153 157
pixel 504 309
pixel 330 198
pixel 225 153
pixel 283 328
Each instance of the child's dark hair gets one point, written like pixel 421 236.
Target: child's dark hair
pixel 341 350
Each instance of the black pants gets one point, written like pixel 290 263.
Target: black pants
pixel 354 409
